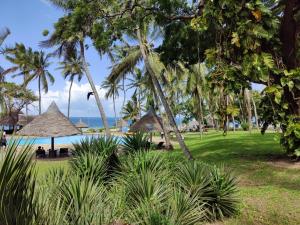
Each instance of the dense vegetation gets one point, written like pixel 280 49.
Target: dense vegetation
pixel 199 59
pixel 102 187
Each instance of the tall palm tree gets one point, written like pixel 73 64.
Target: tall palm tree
pixel 143 52
pixel 71 68
pixel 146 53
pixel 67 42
pixel 195 84
pixel 3 35
pixel 112 91
pixel 247 97
pixel 22 58
pixel 40 72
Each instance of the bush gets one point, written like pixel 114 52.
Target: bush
pixel 18 203
pixel 96 156
pixel 213 186
pixel 245 126
pixel 148 189
pixel 136 142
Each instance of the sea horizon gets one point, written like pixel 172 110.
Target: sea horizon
pixel 93 121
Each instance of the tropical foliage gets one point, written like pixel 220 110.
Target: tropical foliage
pixel 146 189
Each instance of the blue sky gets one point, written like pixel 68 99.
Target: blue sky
pixel 27 19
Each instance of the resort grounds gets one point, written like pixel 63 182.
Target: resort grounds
pixel 269 184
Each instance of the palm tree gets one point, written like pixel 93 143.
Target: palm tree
pixel 39 71
pixel 3 35
pixel 72 68
pixel 22 59
pixel 146 54
pixel 112 91
pixel 195 84
pixel 68 42
pixel 247 97
pixel 131 57
pixel 130 111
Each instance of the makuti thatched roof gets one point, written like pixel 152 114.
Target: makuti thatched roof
pixel 122 123
pixel 148 123
pixel 81 124
pixel 52 123
pixel 23 119
pixel 10 119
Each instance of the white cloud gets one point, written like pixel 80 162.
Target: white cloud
pixel 80 106
pixel 46 2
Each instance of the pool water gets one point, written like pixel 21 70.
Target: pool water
pixel 59 140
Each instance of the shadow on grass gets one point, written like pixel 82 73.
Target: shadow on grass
pixel 248 155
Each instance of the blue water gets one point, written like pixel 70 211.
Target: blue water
pixel 59 140
pixel 94 122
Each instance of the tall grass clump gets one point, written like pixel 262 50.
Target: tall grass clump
pixel 144 189
pixel 215 187
pixel 138 141
pixel 18 203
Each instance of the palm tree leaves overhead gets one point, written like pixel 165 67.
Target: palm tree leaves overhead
pixel 129 60
pixel 3 34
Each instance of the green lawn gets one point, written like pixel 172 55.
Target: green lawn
pixel 269 194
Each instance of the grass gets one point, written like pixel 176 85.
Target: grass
pixel 269 194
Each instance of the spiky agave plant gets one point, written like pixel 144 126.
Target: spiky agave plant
pixel 18 203
pixel 103 147
pixel 136 142
pixel 83 200
pixel 91 166
pixel 212 185
pixel 152 195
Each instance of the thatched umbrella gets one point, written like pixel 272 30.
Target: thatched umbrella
pixel 52 124
pixel 121 123
pixel 80 125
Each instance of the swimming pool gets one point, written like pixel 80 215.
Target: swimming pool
pixel 59 140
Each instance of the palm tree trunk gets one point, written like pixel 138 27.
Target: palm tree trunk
pixel 90 79
pixel 255 112
pixel 167 135
pixel 40 96
pixel 124 99
pixel 69 100
pixel 200 113
pixel 233 122
pixel 248 107
pixel 115 111
pixel 162 97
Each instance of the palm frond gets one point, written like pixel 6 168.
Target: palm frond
pixel 126 65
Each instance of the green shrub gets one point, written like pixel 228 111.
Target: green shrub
pixel 212 185
pixel 96 154
pixel 136 142
pixel 245 126
pixel 18 203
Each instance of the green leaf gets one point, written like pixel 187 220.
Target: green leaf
pixel 268 60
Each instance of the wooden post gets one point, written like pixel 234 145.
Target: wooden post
pixel 52 144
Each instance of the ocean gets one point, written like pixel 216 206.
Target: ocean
pixel 94 122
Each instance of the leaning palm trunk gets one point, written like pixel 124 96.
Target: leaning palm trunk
pixel 89 77
pixel 248 107
pixel 200 113
pixel 162 97
pixel 255 113
pixel 40 97
pixel 69 100
pixel 114 102
pixel 167 136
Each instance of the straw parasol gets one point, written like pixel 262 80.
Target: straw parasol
pixel 11 119
pixel 80 125
pixel 121 123
pixel 52 124
pixel 148 123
